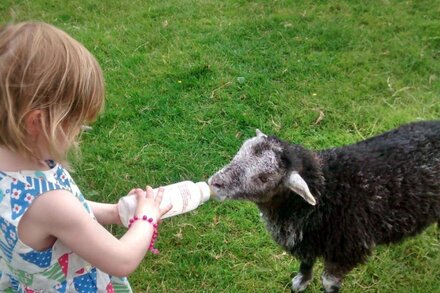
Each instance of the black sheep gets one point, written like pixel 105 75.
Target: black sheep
pixel 352 198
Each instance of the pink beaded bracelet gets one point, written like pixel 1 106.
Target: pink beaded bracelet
pixel 155 232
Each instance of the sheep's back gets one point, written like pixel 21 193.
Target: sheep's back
pixel 388 186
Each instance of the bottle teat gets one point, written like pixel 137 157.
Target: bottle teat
pixel 205 191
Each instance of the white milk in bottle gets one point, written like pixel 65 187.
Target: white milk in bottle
pixel 185 196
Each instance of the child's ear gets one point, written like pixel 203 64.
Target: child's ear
pixel 33 122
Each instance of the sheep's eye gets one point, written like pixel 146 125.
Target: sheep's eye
pixel 263 178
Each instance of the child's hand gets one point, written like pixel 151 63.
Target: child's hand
pixel 149 205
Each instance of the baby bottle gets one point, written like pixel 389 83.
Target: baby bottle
pixel 185 196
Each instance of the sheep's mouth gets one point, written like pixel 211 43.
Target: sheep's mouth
pixel 217 190
pixel 221 197
pixel 218 194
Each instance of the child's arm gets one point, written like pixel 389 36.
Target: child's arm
pixel 105 213
pixel 61 215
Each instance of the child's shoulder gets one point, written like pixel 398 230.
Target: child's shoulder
pixel 57 206
pixel 39 181
pixel 18 190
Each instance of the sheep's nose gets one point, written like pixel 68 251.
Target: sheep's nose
pixel 215 182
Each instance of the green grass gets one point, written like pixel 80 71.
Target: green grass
pixel 188 81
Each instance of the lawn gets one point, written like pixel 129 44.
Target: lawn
pixel 188 81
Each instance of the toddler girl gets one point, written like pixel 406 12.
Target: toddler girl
pixel 51 238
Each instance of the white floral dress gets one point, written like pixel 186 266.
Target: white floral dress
pixel 56 269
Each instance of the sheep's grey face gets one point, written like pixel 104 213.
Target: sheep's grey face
pixel 253 174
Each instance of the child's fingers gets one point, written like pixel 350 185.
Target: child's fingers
pixel 140 194
pixel 138 191
pixel 131 191
pixel 149 191
pixel 159 195
pixel 165 209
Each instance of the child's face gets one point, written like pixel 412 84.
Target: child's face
pixel 64 143
pixel 39 140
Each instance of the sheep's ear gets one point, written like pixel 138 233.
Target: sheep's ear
pixel 297 184
pixel 259 133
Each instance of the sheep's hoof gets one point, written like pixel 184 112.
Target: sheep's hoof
pixel 331 283
pixel 300 282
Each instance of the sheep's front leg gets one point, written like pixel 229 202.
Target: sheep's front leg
pixel 304 277
pixel 331 283
pixel 333 275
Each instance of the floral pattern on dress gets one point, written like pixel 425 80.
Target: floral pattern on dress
pixel 57 269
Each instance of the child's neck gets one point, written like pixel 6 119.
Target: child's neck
pixel 13 162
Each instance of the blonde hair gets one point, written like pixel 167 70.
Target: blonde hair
pixel 43 68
